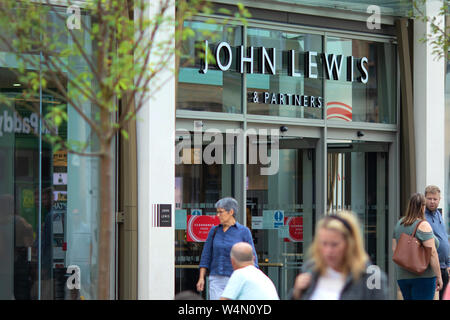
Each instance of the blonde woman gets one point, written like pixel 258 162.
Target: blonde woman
pixel 339 266
pixel 412 286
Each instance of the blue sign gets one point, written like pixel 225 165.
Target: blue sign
pixel 278 215
pixel 278 218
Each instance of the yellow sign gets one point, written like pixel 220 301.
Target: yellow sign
pixel 60 159
pixel 27 198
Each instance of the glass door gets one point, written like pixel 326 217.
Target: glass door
pixel 281 209
pixel 358 181
pixel 204 173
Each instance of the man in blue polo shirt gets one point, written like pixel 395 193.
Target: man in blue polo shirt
pixel 434 217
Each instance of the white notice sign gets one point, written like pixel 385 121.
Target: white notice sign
pixel 257 222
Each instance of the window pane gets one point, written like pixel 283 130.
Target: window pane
pixel 198 186
pixel 51 197
pixel 358 178
pixel 215 90
pixel 374 101
pixel 283 94
pixel 281 211
pixel 385 7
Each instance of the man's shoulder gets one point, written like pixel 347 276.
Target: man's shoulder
pixel 245 271
pixel 238 275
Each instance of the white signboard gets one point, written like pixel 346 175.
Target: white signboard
pixel 257 222
pixel 273 219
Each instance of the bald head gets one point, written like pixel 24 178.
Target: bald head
pixel 242 254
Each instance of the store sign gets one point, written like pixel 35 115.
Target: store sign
pixel 198 227
pixel 60 158
pixel 295 229
pixel 15 123
pixel 285 99
pixel 266 61
pixel 273 219
pixel 162 215
pixel 263 61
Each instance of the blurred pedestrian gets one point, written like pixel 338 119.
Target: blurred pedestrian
pixel 216 251
pixel 413 286
pixel 246 281
pixel 435 219
pixel 338 268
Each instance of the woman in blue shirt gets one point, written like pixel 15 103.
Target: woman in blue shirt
pixel 217 248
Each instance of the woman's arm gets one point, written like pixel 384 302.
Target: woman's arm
pixel 394 245
pixel 201 280
pixel 302 282
pixel 434 261
pixel 205 260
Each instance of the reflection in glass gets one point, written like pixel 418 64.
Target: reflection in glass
pixel 282 82
pixel 358 181
pixel 216 90
pixel 280 212
pixel 28 190
pixel 392 7
pixel 48 199
pixel 197 188
pixel 374 101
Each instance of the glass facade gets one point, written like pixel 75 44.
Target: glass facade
pixel 198 187
pixel 394 8
pixel 49 198
pixel 289 75
pixel 297 76
pixel 214 90
pixel 358 180
pixel 282 83
pixel 356 101
pixel 289 197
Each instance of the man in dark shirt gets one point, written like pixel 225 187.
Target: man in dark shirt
pixel 434 217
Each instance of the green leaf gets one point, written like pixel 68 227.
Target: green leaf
pixel 124 134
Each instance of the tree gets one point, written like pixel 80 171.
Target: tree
pixel 130 43
pixel 439 36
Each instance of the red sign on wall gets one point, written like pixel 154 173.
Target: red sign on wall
pixel 198 227
pixel 295 225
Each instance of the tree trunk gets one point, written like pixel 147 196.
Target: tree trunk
pixel 106 214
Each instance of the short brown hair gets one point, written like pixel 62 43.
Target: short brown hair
pixel 432 189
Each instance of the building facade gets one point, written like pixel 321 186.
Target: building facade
pixel 308 108
pixel 274 123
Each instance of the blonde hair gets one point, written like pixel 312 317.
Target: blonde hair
pixel 355 258
pixel 432 189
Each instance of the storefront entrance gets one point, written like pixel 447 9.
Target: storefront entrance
pixel 358 181
pixel 279 208
pixel 281 211
pixel 337 147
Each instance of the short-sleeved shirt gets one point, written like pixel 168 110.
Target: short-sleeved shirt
pixel 216 251
pixel 250 283
pixel 422 236
pixel 437 223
